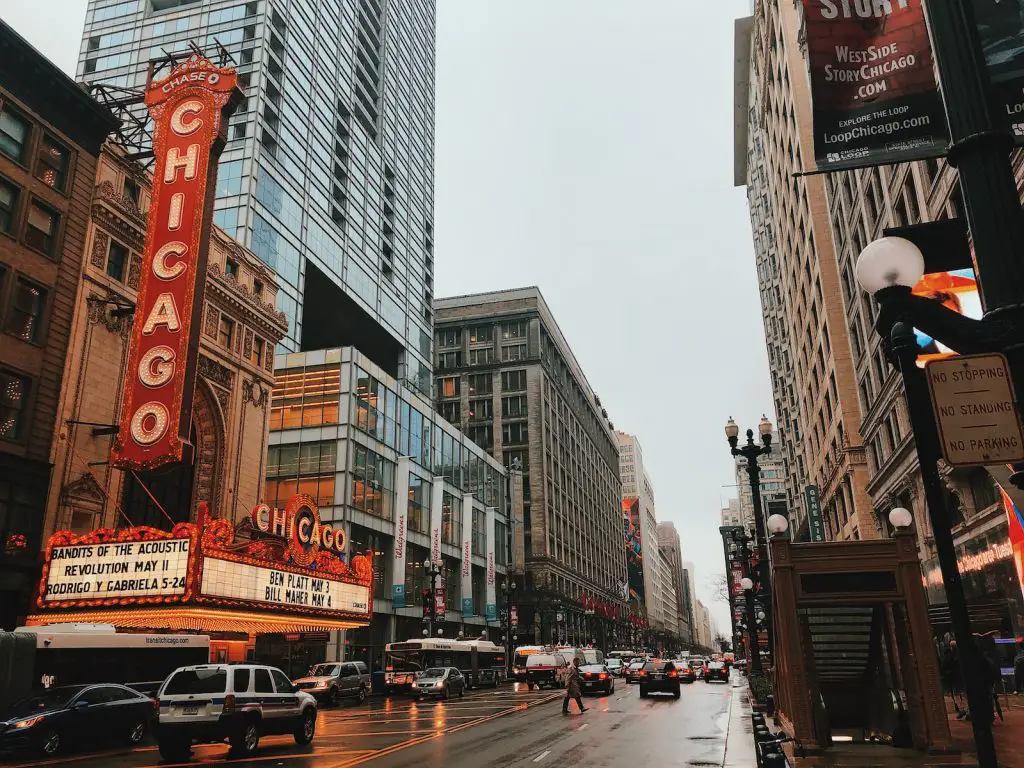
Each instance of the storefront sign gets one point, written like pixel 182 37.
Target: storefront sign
pixel 281 589
pixel 975 409
pixel 436 512
pixel 491 591
pixel 189 110
pixel 209 572
pixel 440 604
pixel 129 569
pixel 872 83
pixel 401 531
pixel 514 614
pixel 467 607
pixel 814 521
pixel 466 572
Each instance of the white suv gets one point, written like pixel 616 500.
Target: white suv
pixel 238 703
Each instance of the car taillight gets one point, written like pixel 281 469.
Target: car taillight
pixel 673 673
pixel 603 676
pixel 642 673
pixel 588 675
pixel 229 703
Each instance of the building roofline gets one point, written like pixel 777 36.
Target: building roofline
pixel 743 36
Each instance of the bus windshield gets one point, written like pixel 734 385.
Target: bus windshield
pixel 405 661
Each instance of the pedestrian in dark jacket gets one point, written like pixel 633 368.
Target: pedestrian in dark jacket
pixel 572 688
pixel 952 679
pixel 1018 672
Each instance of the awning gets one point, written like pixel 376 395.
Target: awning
pixel 204 619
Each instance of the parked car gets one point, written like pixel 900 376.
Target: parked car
pixel 596 677
pixel 77 714
pixel 633 671
pixel 211 703
pixel 716 670
pixel 615 667
pixel 545 669
pixel 659 677
pixel 443 682
pixel 334 681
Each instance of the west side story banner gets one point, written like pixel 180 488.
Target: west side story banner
pixel 873 87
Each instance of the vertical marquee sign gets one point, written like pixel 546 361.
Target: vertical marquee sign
pixel 189 109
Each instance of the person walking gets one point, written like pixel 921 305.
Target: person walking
pixel 952 679
pixel 572 688
pixel 1018 672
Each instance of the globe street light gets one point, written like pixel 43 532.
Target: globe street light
pixel 778 524
pixel 900 518
pixel 747 584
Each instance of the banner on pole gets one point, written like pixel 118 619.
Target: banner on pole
pixel 873 88
pixel 1000 26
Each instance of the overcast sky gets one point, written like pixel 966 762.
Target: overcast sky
pixel 585 146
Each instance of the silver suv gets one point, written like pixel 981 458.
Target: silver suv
pixel 336 680
pixel 237 703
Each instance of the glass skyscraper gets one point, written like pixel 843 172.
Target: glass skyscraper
pixel 329 167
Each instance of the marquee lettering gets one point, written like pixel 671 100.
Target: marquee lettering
pixel 189 110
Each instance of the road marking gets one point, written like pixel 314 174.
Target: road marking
pixel 585 725
pixel 542 755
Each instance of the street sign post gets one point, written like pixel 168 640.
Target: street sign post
pixel 975 409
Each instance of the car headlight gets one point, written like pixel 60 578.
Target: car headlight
pixel 415 685
pixel 321 684
pixel 439 684
pixel 29 722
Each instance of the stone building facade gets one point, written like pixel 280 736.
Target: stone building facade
pixel 506 376
pixel 225 466
pixel 50 135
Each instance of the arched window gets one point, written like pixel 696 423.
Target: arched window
pixel 983 489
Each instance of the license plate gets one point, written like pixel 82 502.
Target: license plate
pixel 190 711
pixel 656 677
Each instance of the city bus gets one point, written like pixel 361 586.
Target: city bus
pixel 480 661
pixel 73 654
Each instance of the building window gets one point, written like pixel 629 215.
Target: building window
pixel 983 489
pixel 14 133
pixel 305 397
pixel 481 409
pixel 449 337
pixel 52 164
pixel 41 232
pixel 226 331
pixel 8 206
pixel 479 531
pixel 133 192
pixel 26 317
pixel 482 435
pixel 513 406
pixel 419 504
pixel 449 387
pixel 451 411
pixel 117 259
pixel 513 352
pixel 232 267
pixel 513 330
pixel 481 334
pixel 451 519
pixel 514 434
pixel 484 356
pixel 513 381
pixel 256 356
pixel 373 483
pixel 447 360
pixel 13 401
pixel 257 289
pixel 481 384
pixel 307 468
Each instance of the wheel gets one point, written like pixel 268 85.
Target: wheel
pixel 446 693
pixel 332 697
pixel 136 732
pixel 49 743
pixel 246 739
pixel 361 695
pixel 676 693
pixel 462 692
pixel 175 750
pixel 529 686
pixel 307 728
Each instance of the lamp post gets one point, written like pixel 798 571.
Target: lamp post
pixel 888 269
pixel 751 451
pixel 508 588
pixel 433 567
pixel 741 540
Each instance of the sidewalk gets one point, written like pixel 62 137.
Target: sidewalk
pixel 739 739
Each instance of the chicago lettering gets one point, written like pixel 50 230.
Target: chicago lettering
pixel 303 527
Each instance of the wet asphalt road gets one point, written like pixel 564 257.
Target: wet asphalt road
pixel 486 729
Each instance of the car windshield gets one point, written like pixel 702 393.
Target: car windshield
pixel 696 663
pixel 636 665
pixel 52 699
pixel 715 665
pixel 541 660
pixel 324 670
pixel 614 663
pixel 658 666
pixel 201 680
pixel 592 668
pixel 434 672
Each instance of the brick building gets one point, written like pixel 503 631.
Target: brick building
pixel 50 135
pixel 225 464
pixel 506 376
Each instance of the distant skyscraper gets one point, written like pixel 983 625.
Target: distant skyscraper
pixel 671 547
pixel 328 174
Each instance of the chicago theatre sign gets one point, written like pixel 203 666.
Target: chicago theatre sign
pixel 189 109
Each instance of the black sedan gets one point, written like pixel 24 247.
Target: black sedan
pixel 659 677
pixel 597 677
pixel 77 714
pixel 716 670
pixel 633 671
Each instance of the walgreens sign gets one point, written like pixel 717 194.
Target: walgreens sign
pixel 189 109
